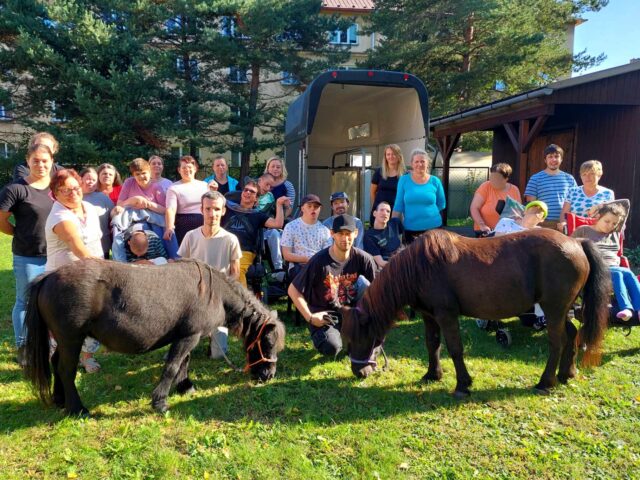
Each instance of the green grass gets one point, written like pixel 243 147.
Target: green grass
pixel 315 421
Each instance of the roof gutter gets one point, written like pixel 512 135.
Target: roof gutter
pixel 492 106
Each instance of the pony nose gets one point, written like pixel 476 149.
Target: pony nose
pixel 362 372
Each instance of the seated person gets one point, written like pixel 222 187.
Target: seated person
pixel 339 206
pixel 383 239
pixel 266 200
pixel 305 236
pixel 534 213
pixel 245 223
pixel 145 247
pixel 605 234
pixel 336 275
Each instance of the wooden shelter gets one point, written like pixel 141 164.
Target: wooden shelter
pixel 595 116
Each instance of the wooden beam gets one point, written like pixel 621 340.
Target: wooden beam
pixel 447 145
pixel 491 120
pixel 533 133
pixel 511 133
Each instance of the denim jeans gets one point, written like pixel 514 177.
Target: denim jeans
pixel 272 237
pixel 25 270
pixel 626 288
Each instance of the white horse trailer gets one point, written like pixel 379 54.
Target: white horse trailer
pixel 337 129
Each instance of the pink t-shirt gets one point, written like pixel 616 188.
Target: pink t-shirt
pixel 185 197
pixel 154 191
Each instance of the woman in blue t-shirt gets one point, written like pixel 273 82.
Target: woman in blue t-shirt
pixel 384 183
pixel 420 198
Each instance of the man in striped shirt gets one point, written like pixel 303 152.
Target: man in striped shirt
pixel 551 185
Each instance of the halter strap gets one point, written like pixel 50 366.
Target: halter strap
pixel 369 360
pixel 262 358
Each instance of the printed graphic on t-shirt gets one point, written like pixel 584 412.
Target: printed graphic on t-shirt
pixel 340 287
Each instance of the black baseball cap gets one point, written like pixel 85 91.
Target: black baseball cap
pixel 310 198
pixel 344 222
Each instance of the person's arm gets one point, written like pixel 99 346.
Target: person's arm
pixel 5 225
pixel 234 269
pixel 315 319
pixel 380 261
pixel 279 220
pixel 531 190
pixel 441 200
pixel 170 223
pixel 69 234
pixel 291 194
pixel 562 221
pixel 289 256
pixel 398 205
pixel 474 209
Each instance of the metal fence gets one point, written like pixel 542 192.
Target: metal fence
pixel 463 183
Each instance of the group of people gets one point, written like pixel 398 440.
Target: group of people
pixel 61 216
pixel 550 195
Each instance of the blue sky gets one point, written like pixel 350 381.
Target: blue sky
pixel 614 31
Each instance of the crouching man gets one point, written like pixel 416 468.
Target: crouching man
pixel 336 275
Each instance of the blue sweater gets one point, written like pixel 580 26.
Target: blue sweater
pixel 420 204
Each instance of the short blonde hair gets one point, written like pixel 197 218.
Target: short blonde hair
pixel 421 151
pixel 35 140
pixel 398 153
pixel 591 166
pixel 285 174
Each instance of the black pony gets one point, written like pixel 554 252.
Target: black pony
pixel 136 309
pixel 444 275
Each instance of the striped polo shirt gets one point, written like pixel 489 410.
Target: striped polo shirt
pixel 551 189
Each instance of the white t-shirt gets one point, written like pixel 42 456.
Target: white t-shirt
pixel 58 252
pixel 217 252
pixel 508 225
pixel 305 239
pixel 185 197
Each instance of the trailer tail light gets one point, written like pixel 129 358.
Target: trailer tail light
pixel 334 74
pixel 405 77
pixel 370 73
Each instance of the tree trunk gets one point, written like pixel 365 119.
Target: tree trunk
pixel 250 123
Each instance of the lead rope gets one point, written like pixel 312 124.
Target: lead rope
pixel 224 355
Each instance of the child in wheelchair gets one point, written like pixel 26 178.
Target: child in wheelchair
pixel 605 233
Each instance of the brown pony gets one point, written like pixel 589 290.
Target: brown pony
pixel 444 275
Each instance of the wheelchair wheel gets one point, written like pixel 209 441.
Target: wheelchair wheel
pixel 503 337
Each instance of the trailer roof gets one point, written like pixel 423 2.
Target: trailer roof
pixel 302 111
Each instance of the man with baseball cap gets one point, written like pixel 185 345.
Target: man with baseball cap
pixel 339 206
pixel 305 236
pixel 336 275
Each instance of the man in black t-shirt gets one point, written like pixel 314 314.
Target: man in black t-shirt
pixel 337 275
pixel 383 239
pixel 245 223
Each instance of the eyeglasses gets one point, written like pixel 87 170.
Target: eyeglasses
pixel 68 191
pixel 250 190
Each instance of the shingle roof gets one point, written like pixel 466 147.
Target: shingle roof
pixel 356 5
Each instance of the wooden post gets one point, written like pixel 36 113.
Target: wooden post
pixel 447 145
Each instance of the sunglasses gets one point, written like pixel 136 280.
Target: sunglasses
pixel 251 190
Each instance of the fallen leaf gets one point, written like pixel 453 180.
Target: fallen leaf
pixel 403 466
pixel 117 387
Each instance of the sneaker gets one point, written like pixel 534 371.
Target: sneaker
pixel 21 356
pixel 277 276
pixel 624 315
pixel 540 323
pixel 90 365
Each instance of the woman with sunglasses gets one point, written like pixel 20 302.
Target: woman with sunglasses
pixel 73 232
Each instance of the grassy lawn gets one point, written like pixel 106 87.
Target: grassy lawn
pixel 315 421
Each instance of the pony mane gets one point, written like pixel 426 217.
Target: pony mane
pixel 394 287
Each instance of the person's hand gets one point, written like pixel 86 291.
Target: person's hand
pixel 561 226
pixel 283 201
pixel 213 185
pixel 318 319
pixel 485 228
pixel 117 210
pixel 168 233
pixel 139 202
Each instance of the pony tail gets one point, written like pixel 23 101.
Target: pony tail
pixel 597 292
pixel 38 369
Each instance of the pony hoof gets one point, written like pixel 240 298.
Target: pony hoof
pixel 185 387
pixel 542 390
pixel 460 395
pixel 431 377
pixel 160 406
pixel 82 413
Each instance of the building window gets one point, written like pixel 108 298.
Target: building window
pixel 56 117
pixel 3 113
pixel 6 150
pixel 237 75
pixel 173 24
pixel 345 37
pixel 289 78
pixel 229 28
pixel 193 67
pixel 356 160
pixel 236 158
